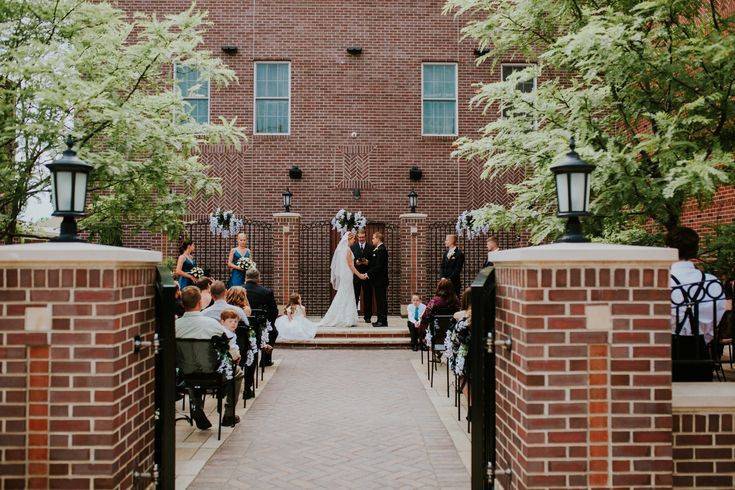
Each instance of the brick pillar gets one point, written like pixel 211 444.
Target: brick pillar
pixel 584 396
pixel 76 403
pixel 413 255
pixel 286 256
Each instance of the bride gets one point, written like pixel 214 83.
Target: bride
pixel 343 310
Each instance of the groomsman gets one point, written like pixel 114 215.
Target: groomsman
pixel 492 246
pixel 363 251
pixel 452 263
pixel 378 275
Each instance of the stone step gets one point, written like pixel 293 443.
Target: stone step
pixel 361 332
pixel 347 343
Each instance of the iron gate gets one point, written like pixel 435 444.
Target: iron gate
pixel 165 372
pixel 475 250
pixel 317 241
pixel 212 250
pixel 482 380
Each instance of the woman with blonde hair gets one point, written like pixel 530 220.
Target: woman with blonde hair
pixel 238 297
pixel 237 274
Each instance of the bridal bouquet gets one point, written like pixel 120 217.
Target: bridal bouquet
pixel 245 263
pixel 468 227
pixel 345 221
pixel 224 223
pixel 197 272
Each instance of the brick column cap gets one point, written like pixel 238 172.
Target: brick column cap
pixel 413 216
pixel 584 252
pixel 286 215
pixel 707 397
pixel 77 253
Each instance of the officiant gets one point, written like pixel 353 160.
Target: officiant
pixel 363 251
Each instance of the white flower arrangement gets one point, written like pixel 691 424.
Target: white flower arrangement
pixel 264 334
pixel 345 221
pixel 253 348
pixel 245 263
pixel 224 223
pixel 197 272
pixel 469 227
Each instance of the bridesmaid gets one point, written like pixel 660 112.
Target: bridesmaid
pixel 185 264
pixel 237 276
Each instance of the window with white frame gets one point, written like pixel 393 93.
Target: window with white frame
pixel 439 99
pixel 195 92
pixel 272 98
pixel 526 87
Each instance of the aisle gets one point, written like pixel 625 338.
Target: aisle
pixel 339 419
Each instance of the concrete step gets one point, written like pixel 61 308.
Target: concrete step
pixel 354 338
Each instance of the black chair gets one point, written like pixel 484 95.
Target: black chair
pixel 198 362
pixel 439 326
pixel 259 319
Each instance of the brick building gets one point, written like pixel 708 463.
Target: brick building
pixel 353 122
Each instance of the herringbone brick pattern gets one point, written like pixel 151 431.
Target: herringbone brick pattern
pixel 339 419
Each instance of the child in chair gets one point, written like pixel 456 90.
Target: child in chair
pixel 415 312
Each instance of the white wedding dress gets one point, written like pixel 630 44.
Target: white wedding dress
pixel 298 327
pixel 343 310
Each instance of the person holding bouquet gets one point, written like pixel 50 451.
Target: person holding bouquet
pixel 187 271
pixel 239 261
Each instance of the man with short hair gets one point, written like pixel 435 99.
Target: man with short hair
pixel 362 252
pixel 262 298
pixel 378 276
pixel 492 246
pixel 218 291
pixel 452 263
pixel 194 325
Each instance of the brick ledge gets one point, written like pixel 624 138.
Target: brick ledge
pixel 78 253
pixel 583 252
pixel 705 397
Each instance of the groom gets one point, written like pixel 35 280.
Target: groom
pixel 378 276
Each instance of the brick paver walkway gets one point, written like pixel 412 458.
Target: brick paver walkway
pixel 339 419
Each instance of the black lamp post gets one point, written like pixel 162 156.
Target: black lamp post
pixel 287 200
pixel 69 190
pixel 413 200
pixel 572 178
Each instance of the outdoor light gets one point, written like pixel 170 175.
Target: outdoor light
pixel 572 193
pixel 354 50
pixel 229 49
pixel 295 172
pixel 415 173
pixel 356 193
pixel 69 190
pixel 413 200
pixel 287 200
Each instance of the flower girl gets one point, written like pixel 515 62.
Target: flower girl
pixel 294 325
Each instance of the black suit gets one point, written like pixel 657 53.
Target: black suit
pixel 452 268
pixel 262 298
pixel 378 274
pixel 365 286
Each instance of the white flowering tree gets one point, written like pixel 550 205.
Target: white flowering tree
pixel 645 86
pixel 87 69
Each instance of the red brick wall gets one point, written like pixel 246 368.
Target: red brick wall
pixel 704 450
pixel 76 403
pixel 377 95
pixel 722 210
pixel 580 406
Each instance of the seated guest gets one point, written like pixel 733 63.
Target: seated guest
pixel 219 295
pixel 194 325
pixel 204 284
pixel 702 296
pixel 262 298
pixel 444 302
pixel 236 296
pixel 230 319
pixel 466 303
pixel 415 311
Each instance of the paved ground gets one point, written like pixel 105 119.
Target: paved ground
pixel 339 419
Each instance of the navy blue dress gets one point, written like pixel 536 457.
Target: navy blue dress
pixel 237 276
pixel 187 266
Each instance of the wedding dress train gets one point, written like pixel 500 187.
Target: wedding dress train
pixel 343 310
pixel 298 327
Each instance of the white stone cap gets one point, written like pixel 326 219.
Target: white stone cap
pixel 584 252
pixel 286 215
pixel 705 397
pixel 77 253
pixel 413 216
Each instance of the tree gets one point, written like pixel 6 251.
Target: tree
pixel 87 70
pixel 646 88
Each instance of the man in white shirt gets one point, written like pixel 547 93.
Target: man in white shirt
pixel 218 291
pixel 194 325
pixel 415 311
pixel 694 294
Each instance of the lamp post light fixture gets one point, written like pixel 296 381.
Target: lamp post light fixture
pixel 572 179
pixel 413 200
pixel 287 200
pixel 69 177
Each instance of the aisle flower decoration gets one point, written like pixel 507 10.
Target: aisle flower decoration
pixel 225 363
pixel 252 348
pixel 224 223
pixel 468 226
pixel 345 221
pixel 457 346
pixel 246 263
pixel 197 272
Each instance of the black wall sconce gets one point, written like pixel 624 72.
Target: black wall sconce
pixel 295 172
pixel 229 49
pixel 356 194
pixel 415 173
pixel 354 50
pixel 481 52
